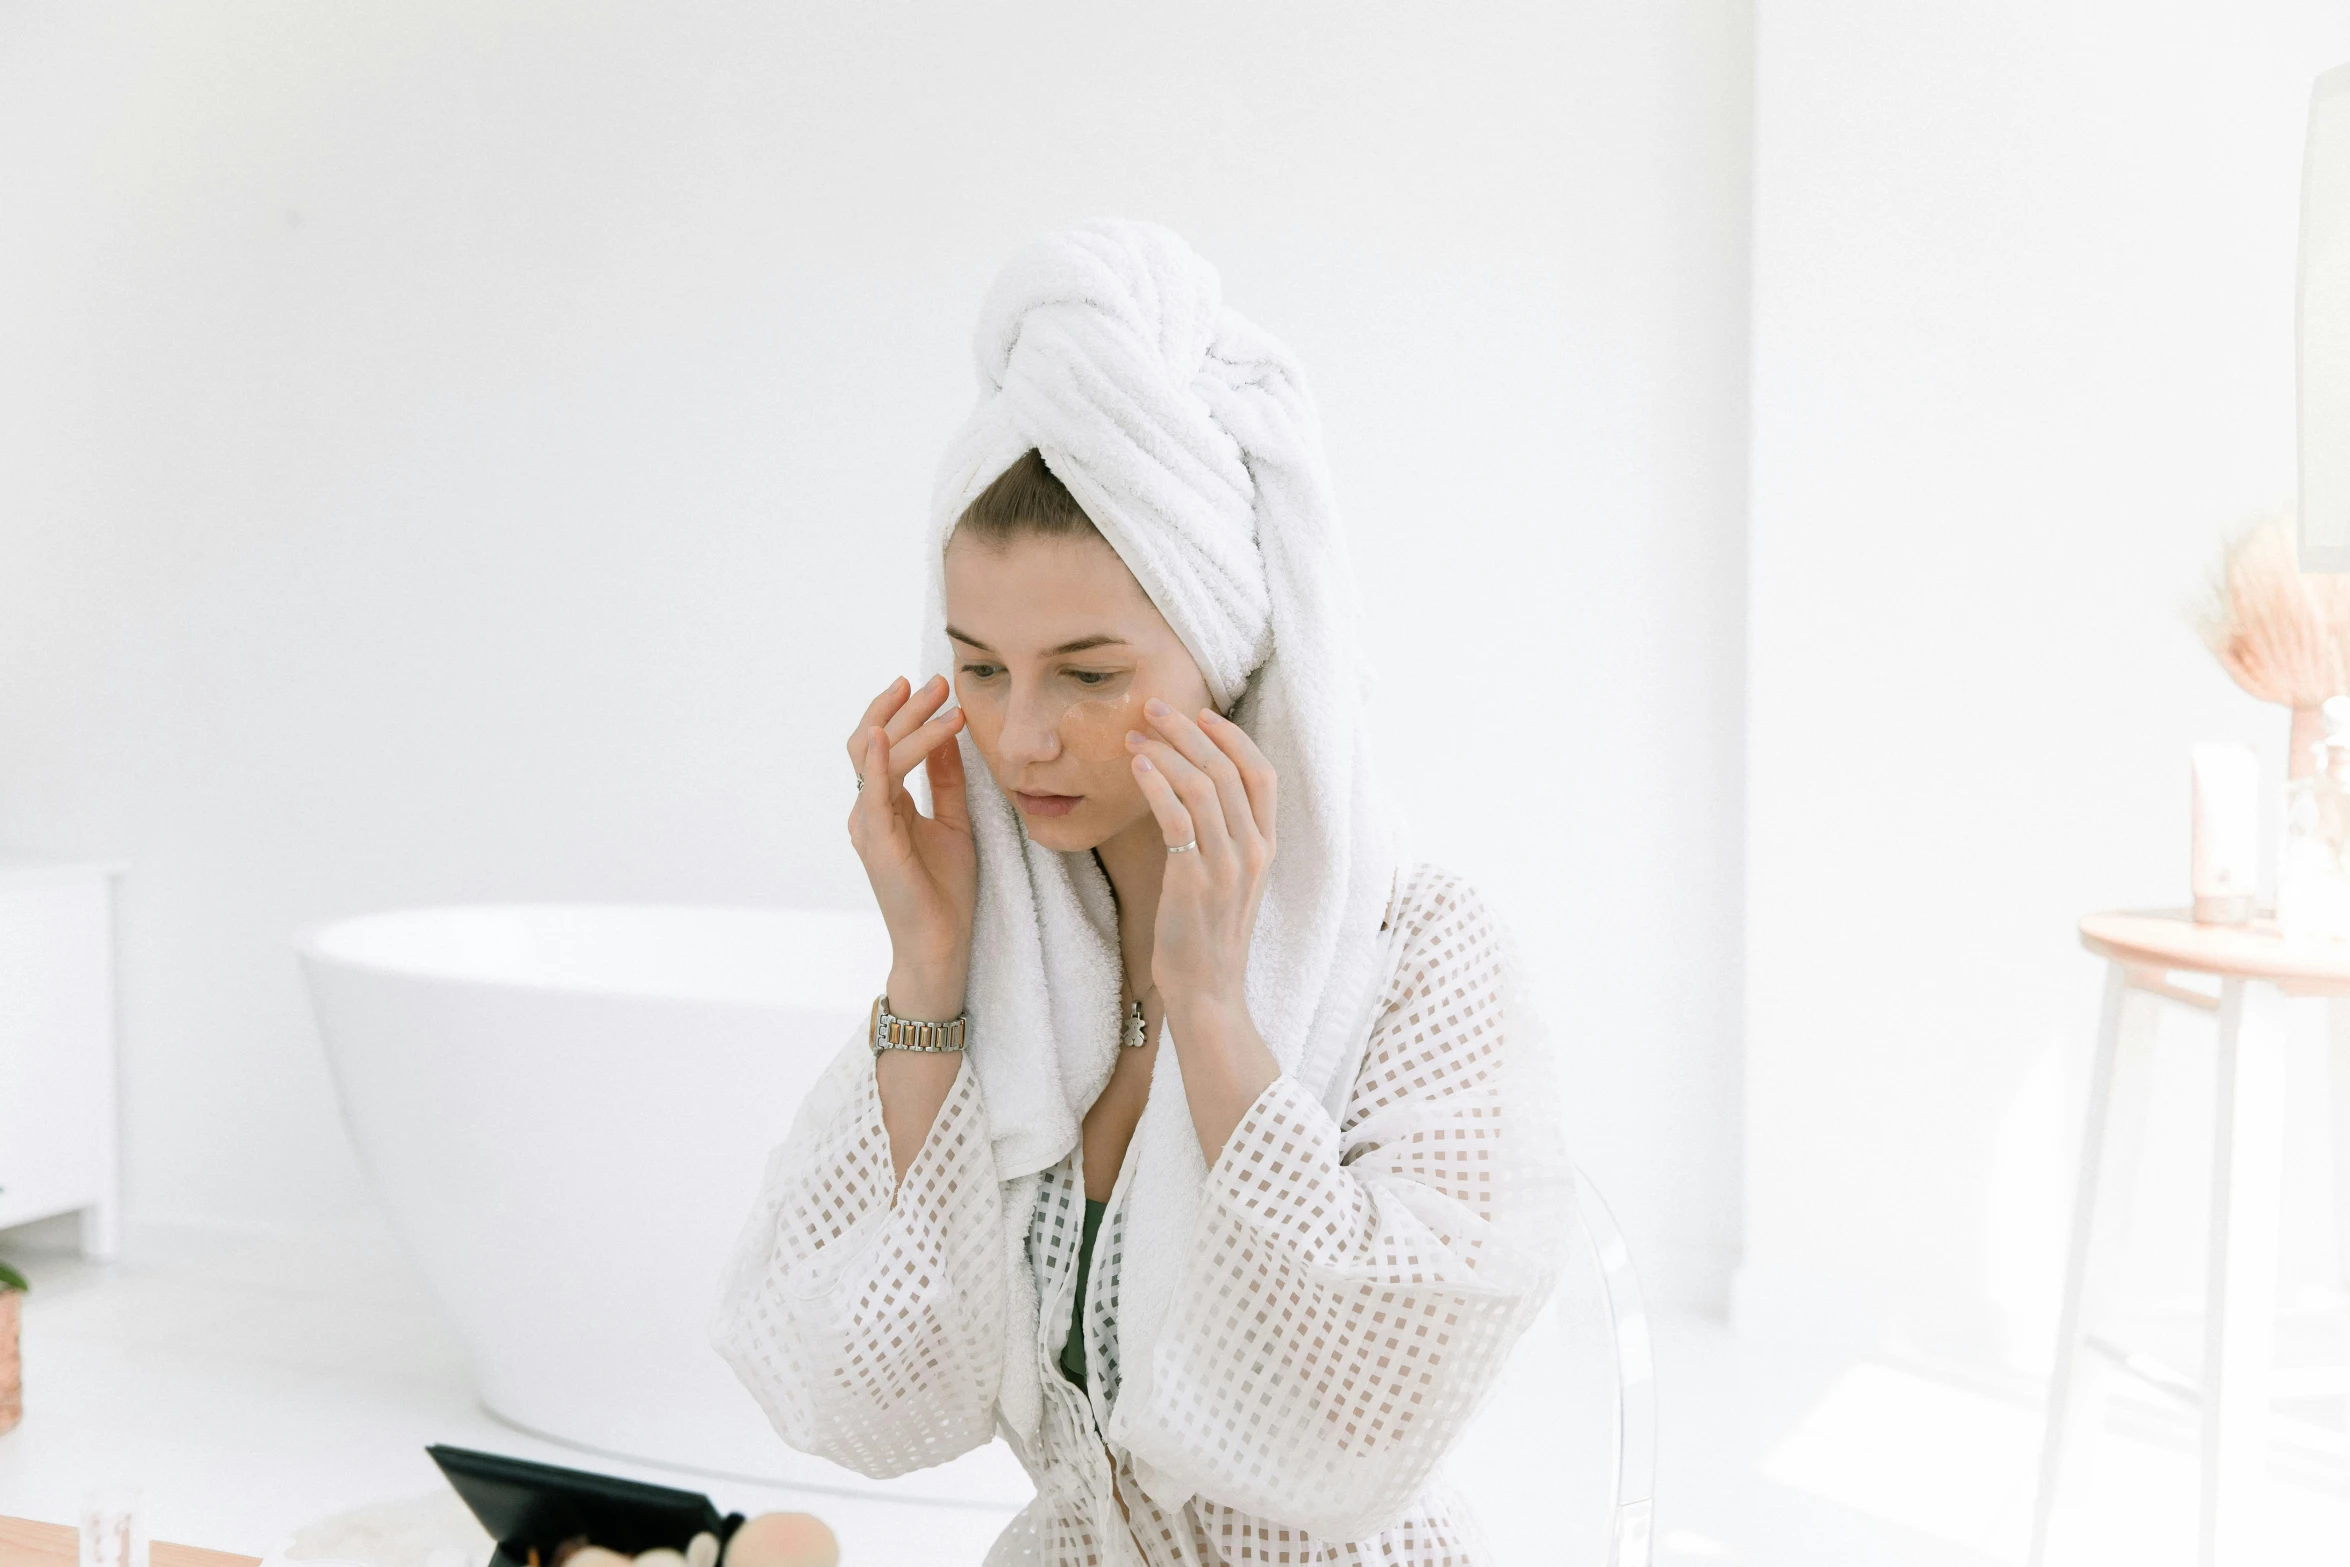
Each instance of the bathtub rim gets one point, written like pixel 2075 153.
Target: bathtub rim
pixel 308 941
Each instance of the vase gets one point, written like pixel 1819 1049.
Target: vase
pixel 2313 852
pixel 2301 742
pixel 11 1360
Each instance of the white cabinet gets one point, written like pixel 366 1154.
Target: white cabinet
pixel 57 1107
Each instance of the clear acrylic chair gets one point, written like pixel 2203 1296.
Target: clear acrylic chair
pixel 1559 1466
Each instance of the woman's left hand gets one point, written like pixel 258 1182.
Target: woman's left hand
pixel 1207 783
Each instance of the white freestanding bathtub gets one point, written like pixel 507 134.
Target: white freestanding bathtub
pixel 565 1110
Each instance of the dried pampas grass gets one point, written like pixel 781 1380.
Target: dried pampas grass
pixel 2280 634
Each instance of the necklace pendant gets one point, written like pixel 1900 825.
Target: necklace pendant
pixel 1135 1032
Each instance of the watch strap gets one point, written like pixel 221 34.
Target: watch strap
pixel 890 1032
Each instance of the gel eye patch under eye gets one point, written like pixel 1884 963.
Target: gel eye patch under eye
pixel 1092 730
pixel 984 723
pixel 1095 730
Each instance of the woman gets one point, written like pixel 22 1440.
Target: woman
pixel 1225 1179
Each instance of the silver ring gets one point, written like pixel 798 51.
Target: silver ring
pixel 1183 848
pixel 860 783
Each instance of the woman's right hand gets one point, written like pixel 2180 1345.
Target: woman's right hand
pixel 924 869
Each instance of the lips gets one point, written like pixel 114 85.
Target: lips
pixel 1046 804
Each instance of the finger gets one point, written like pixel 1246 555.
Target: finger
pixel 873 807
pixel 877 711
pixel 947 801
pixel 906 753
pixel 1174 821
pixel 1198 793
pixel 1203 753
pixel 1256 773
pixel 919 705
pixel 860 818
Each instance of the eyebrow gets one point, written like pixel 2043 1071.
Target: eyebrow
pixel 1098 639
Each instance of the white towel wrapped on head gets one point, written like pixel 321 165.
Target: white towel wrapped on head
pixel 1189 438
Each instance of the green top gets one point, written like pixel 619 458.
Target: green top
pixel 1073 1347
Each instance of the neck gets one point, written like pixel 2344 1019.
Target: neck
pixel 1136 863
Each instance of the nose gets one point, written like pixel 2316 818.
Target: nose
pixel 1032 732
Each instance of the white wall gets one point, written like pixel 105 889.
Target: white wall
pixel 2023 354
pixel 468 452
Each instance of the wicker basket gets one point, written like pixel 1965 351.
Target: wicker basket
pixel 11 1360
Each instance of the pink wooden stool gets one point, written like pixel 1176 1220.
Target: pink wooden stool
pixel 2259 970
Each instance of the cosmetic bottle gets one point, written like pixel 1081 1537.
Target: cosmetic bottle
pixel 2225 871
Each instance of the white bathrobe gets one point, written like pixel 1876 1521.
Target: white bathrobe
pixel 1280 1347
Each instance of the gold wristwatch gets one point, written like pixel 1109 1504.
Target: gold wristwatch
pixel 899 1033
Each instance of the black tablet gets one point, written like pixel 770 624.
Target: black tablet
pixel 530 1507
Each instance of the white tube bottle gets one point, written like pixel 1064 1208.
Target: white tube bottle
pixel 2226 821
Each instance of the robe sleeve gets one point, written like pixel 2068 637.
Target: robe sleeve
pixel 1354 1285
pixel 865 1314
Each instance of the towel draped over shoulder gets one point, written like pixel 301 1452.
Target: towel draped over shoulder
pixel 1189 438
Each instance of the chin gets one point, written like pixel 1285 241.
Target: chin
pixel 1068 834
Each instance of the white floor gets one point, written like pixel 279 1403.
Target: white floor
pixel 252 1385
